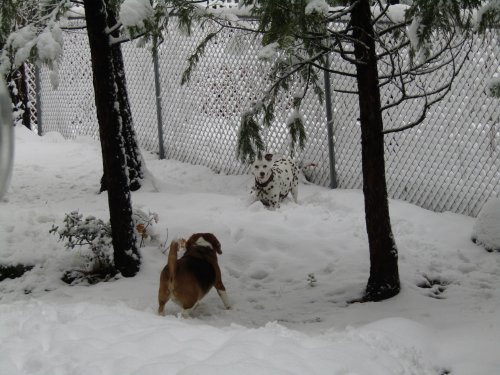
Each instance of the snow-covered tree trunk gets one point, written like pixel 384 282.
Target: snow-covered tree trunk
pixel 384 276
pixel 18 90
pixel 126 255
pixel 132 152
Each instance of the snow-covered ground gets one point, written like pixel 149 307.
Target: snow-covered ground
pixel 446 320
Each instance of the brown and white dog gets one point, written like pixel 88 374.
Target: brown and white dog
pixel 188 279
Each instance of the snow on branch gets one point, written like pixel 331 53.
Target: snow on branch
pixel 40 41
pixel 135 13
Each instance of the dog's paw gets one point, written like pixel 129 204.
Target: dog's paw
pixel 256 206
pixel 251 197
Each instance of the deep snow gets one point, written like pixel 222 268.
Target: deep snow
pixel 445 320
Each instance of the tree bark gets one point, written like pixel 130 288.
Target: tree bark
pixel 126 255
pixel 384 281
pixel 18 90
pixel 132 152
pixel 23 89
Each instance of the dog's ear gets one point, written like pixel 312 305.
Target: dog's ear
pixel 191 241
pixel 268 157
pixel 209 237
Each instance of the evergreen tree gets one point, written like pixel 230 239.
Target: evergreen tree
pixel 384 281
pixel 467 15
pixel 126 255
pixel 15 14
pixel 123 170
pixel 43 22
pixel 132 153
pixel 368 36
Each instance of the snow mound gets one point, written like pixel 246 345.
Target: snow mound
pixel 86 338
pixel 486 230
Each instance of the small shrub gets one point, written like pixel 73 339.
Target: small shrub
pixel 144 227
pixel 92 236
pixel 13 271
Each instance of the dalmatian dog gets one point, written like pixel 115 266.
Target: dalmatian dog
pixel 274 180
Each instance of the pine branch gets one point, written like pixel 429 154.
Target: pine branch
pixel 297 133
pixel 194 59
pixel 249 144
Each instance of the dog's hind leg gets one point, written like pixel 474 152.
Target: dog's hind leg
pixel 163 297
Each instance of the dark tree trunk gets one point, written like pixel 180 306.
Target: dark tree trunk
pixel 132 153
pixel 384 277
pixel 126 255
pixel 18 90
pixel 23 89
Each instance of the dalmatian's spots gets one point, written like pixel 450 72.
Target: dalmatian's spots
pixel 274 180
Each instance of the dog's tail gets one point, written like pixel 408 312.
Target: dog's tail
pixel 307 171
pixel 172 260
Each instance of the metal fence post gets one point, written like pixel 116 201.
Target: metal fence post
pixel 329 126
pixel 159 118
pixel 38 98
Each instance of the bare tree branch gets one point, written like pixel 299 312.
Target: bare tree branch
pixel 441 92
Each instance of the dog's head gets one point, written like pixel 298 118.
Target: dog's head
pixel 205 241
pixel 261 168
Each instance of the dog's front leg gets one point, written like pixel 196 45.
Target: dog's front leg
pixel 223 296
pixel 220 288
pixel 186 313
pixel 273 205
pixel 253 196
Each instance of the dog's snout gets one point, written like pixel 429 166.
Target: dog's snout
pixel 262 174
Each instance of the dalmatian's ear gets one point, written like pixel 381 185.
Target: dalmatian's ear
pixel 268 157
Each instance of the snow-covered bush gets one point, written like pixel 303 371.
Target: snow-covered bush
pixel 92 237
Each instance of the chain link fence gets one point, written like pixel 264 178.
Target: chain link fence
pixel 451 162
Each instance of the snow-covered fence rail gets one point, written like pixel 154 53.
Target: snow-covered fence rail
pixel 451 162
